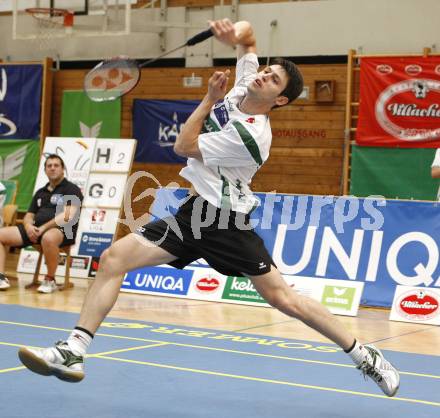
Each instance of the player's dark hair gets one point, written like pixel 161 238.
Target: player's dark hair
pixel 53 156
pixel 295 84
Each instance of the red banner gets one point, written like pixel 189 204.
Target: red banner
pixel 399 102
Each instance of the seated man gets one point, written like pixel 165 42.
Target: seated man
pixel 42 225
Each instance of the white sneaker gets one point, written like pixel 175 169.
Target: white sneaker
pixel 4 284
pixel 58 361
pixel 48 286
pixel 380 370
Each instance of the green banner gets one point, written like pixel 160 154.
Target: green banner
pixel 396 173
pixel 19 162
pixel 82 118
pixel 241 288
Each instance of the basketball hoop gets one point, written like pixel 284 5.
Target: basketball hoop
pixel 50 21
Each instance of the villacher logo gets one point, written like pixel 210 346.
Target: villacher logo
pixel 207 285
pixel 418 305
pixel 384 69
pixel 410 110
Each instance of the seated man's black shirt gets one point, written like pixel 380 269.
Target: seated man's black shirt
pixel 44 202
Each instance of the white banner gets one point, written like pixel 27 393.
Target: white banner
pixel 77 155
pixel 105 190
pixel 114 155
pixel 98 222
pixel 341 297
pixel 416 304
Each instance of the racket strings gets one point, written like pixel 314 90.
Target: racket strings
pixel 112 79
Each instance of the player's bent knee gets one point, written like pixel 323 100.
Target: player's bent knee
pixel 111 261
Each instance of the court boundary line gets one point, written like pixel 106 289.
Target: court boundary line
pixel 249 353
pixel 264 380
pixel 105 356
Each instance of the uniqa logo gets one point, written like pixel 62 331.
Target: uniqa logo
pixel 325 250
pixel 418 305
pixel 409 110
pixel 159 281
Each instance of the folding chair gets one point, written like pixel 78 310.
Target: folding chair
pixel 63 250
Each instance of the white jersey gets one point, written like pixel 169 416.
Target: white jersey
pixel 234 145
pixel 436 163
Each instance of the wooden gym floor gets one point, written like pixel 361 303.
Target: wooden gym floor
pixel 371 325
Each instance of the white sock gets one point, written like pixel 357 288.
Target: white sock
pixel 358 353
pixel 79 342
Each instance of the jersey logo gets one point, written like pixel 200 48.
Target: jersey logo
pixel 55 198
pixel 250 120
pixel 221 114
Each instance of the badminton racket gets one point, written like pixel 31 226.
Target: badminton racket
pixel 117 76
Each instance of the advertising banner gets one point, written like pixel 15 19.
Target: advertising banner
pixel 393 173
pixel 77 154
pixel 19 162
pixel 114 155
pixel 105 189
pixel 203 283
pixel 156 124
pixel 95 221
pixel 416 304
pixel 399 102
pixel 85 159
pixel 83 118
pixel 20 101
pixel 160 279
pixel 377 242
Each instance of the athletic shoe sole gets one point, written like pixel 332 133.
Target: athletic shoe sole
pixel 39 366
pixel 398 375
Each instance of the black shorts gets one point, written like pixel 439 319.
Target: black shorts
pixel 230 249
pixel 27 242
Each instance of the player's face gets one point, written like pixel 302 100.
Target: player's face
pixel 269 83
pixel 54 170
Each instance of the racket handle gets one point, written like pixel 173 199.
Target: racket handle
pixel 200 37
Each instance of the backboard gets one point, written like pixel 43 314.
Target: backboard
pixel 90 18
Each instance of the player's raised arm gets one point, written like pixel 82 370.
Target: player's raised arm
pixel 238 34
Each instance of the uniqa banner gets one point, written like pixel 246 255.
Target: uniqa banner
pixel 156 125
pixel 20 101
pixel 382 243
pixel 399 102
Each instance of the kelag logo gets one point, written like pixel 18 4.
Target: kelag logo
pixel 241 288
pixel 159 279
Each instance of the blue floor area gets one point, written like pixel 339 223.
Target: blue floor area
pixel 141 369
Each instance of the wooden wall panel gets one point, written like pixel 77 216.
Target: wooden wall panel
pixel 207 3
pixel 307 147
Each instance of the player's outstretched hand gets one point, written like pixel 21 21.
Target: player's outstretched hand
pixel 217 85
